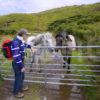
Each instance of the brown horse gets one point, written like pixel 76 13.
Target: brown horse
pixel 63 39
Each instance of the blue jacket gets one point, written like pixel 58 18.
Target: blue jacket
pixel 18 52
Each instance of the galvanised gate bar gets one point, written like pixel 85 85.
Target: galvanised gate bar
pixel 84 68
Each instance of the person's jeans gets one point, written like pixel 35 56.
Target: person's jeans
pixel 19 78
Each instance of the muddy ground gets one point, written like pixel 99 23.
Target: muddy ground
pixel 42 92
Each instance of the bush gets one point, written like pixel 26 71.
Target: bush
pixel 8 32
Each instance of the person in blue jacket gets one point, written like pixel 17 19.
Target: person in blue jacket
pixel 18 51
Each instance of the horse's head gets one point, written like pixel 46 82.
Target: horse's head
pixel 59 40
pixel 48 40
pixel 34 40
pixel 44 39
pixel 30 40
pixel 63 39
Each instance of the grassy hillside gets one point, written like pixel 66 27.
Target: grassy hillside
pixel 17 21
pixel 41 21
pixel 82 21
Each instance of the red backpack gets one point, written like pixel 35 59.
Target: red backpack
pixel 6 49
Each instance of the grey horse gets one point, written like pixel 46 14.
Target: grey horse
pixel 40 40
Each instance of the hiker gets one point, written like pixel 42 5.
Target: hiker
pixel 18 51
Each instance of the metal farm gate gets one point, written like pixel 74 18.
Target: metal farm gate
pixel 49 70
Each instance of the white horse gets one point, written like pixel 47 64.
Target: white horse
pixel 44 39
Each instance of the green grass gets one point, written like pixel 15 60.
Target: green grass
pixel 90 93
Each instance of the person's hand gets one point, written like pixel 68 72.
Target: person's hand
pixel 33 50
pixel 23 69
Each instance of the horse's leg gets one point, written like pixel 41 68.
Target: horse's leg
pixel 69 61
pixel 33 61
pixel 64 63
pixel 31 64
pixel 63 52
pixel 36 62
pixel 39 67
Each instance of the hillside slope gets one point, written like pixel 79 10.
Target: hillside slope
pixel 41 21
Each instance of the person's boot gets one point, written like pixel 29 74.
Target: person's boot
pixel 25 88
pixel 19 95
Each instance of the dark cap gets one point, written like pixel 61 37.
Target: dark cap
pixel 22 32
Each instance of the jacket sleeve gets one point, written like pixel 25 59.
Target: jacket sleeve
pixel 15 48
pixel 27 46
